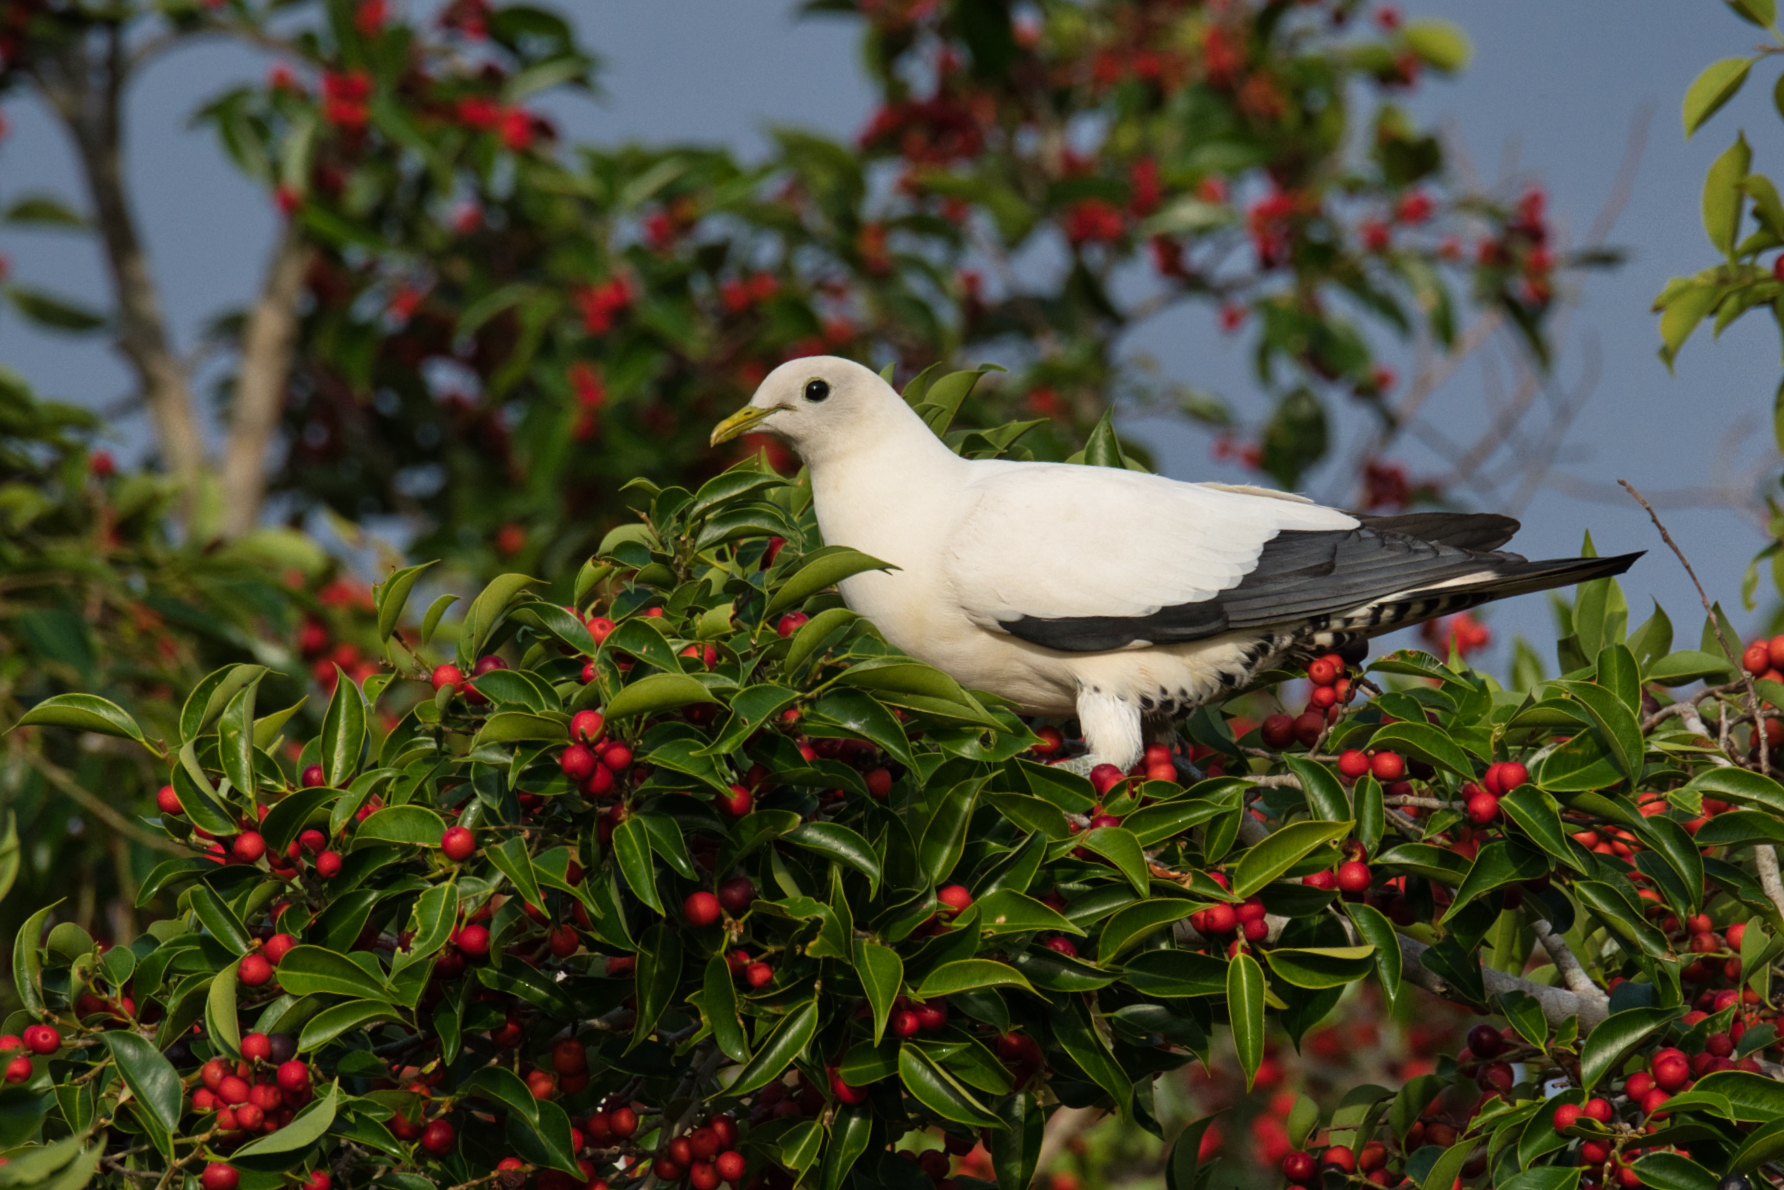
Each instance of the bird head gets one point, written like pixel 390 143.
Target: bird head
pixel 821 406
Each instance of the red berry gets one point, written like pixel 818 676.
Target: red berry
pixel 577 761
pixel 448 675
pixel 1300 1168
pixel 1511 775
pixel 1105 777
pixel 19 1069
pixel 904 1023
pixel 1221 919
pixel 845 1093
pixel 600 627
pixel 1757 658
pixel 313 776
pixel 42 1039
pixel 1309 726
pixel 737 894
pixel 254 970
pixel 586 726
pixel 1484 1041
pixel 954 898
pixel 701 909
pixel 257 1047
pixel 328 864
pixel 1566 1115
pixel 737 804
pixel 1387 766
pixel 459 844
pixel 791 622
pixel 1339 1157
pixel 248 847
pixel 730 1165
pixel 1671 1073
pixel 758 975
pixel 294 1075
pixel 1353 763
pixel 168 802
pixel 313 841
pixel 219 1176
pixel 1482 808
pixel 472 941
pixel 879 783
pixel 277 947
pixel 1278 732
pixel 438 1137
pixel 1323 673
pixel 1059 944
pixel 1051 741
pixel 623 1121
pixel 1353 877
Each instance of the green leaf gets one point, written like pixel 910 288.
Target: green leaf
pixel 1378 931
pixel 1282 850
pixel 1672 1171
pixel 944 839
pixel 502 1085
pixel 658 974
pixel 1617 1037
pixel 818 570
pixel 84 712
pixel 341 1019
pixel 1757 12
pixel 1442 1174
pixel 1325 797
pixel 151 1078
pixel 838 842
pixel 882 973
pixel 1086 1045
pixel 860 713
pixel 718 1006
pixel 851 1133
pixel 307 970
pixel 485 615
pixel 197 797
pixel 631 850
pixel 1722 195
pixel 1181 1173
pixel 1119 847
pixel 1714 86
pixel 513 861
pixel 220 1024
pixel 1007 911
pixel 431 926
pixel 9 854
pixel 1320 967
pixel 393 596
pixel 510 727
pixel 1129 927
pixel 965 975
pixel 813 633
pixel 1536 814
pixel 42 210
pixel 655 693
pixel 431 620
pixel 1616 912
pixel 786 1042
pixel 220 920
pixel 1427 743
pixel 1441 45
pixel 1499 863
pixel 54 313
pixel 286 820
pixel 306 1128
pixel 1176 974
pixel 415 825
pixel 343 731
pixel 1245 1009
pixel 937 1090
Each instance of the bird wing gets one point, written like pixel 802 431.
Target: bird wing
pixel 1085 559
pixel 1055 543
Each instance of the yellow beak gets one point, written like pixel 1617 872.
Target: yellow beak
pixel 741 422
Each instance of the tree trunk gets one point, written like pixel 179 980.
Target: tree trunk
pixel 269 344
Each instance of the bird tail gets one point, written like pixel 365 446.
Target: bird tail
pixel 1497 579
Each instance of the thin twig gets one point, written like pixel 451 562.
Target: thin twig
pixel 58 777
pixel 1746 679
pixel 1572 974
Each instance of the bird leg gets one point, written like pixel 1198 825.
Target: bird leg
pixel 1112 731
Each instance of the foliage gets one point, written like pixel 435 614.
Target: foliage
pixel 94 597
pixel 734 874
pixel 499 328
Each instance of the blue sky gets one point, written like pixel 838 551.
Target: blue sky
pixel 1550 98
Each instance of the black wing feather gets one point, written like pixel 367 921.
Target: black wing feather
pixel 1306 577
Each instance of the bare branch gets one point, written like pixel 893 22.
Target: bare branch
pixel 1557 1003
pixel 1734 658
pixel 269 345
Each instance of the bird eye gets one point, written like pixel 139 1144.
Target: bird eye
pixel 817 390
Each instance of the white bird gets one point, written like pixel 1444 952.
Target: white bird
pixel 1122 597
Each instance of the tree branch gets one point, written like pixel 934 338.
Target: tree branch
pixel 269 345
pixel 1557 1003
pixel 84 89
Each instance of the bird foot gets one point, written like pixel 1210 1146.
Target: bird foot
pixel 1187 772
pixel 1080 765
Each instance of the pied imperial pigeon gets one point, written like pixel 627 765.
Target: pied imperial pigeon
pixel 1121 597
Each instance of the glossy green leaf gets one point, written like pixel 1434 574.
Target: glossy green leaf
pixel 393 596
pixel 343 731
pixel 1375 928
pixel 308 1126
pixel 1325 797
pixel 1273 856
pixel 1617 1037
pixel 631 850
pixel 306 970
pixel 417 826
pixel 785 1043
pixel 1714 86
pixel 485 615
pixel 1245 1009
pixel 657 976
pixel 718 1005
pixel 1673 1171
pixel 220 1025
pixel 937 1090
pixel 151 1078
pixel 83 712
pixel 1427 743
pixel 1320 967
pixel 945 837
pixel 881 972
pixel 840 843
pixel 27 963
pixel 350 1017
pixel 220 920
pixel 656 693
pixel 1006 911
pixel 1130 926
pixel 820 569
pixel 965 975
pixel 1120 848
pixel 1085 1044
